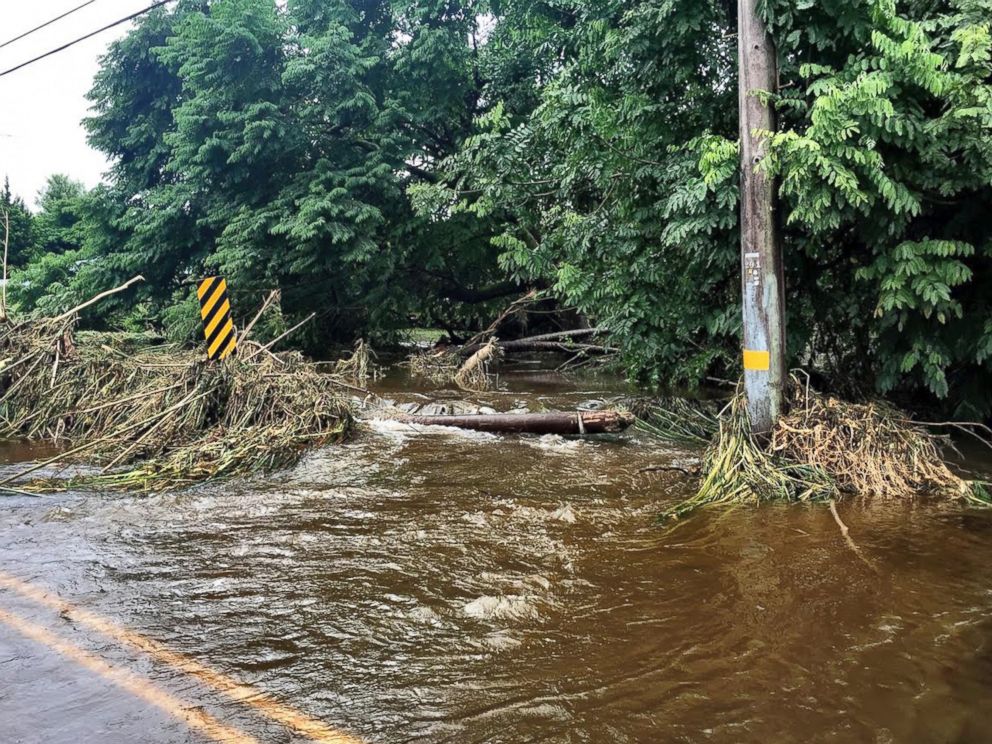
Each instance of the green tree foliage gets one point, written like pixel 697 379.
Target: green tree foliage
pixel 885 159
pixel 619 184
pixel 378 158
pixel 58 224
pixel 18 220
pixel 73 245
pixel 274 145
pixel 595 175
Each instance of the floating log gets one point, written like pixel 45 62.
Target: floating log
pixel 559 422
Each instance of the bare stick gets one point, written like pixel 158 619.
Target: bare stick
pixel 147 433
pixel 121 401
pixel 517 303
pixel 281 336
pixel 470 346
pixel 964 426
pixel 847 537
pixel 273 295
pixel 102 295
pixel 268 353
pixel 843 527
pixel 574 333
pixel 55 367
pixel 19 492
pixel 22 378
pixel 668 469
pixel 3 287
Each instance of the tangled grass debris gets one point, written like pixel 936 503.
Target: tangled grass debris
pixel 867 448
pixel 822 449
pixel 447 367
pixel 159 417
pixel 361 366
pixel 677 419
pixel 474 373
pixel 436 366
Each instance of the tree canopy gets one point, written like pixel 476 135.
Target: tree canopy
pixel 377 160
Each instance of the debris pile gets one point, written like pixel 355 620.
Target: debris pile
pixel 160 417
pixel 825 448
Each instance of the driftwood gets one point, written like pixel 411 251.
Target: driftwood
pixel 521 302
pixel 560 341
pixel 474 373
pixel 525 344
pixel 561 422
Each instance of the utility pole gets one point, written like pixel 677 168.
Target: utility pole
pixel 761 253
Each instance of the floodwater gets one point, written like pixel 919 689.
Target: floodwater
pixel 436 586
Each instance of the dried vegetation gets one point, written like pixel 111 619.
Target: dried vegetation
pixel 825 448
pixel 160 417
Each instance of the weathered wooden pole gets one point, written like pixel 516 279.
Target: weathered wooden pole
pixel 761 254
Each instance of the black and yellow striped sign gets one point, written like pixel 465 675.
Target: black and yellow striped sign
pixel 215 309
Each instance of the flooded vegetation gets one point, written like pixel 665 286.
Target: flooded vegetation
pixel 429 584
pixel 156 416
pixel 220 523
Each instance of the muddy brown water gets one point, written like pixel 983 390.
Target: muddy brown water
pixel 436 586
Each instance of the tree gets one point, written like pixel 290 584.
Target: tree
pixel 376 159
pixel 57 223
pixel 620 187
pixel 591 165
pixel 20 238
pixel 275 146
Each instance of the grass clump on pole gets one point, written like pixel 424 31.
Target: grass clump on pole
pixel 823 449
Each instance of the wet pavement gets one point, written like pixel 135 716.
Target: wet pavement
pixel 429 585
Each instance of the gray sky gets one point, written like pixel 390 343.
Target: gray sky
pixel 42 106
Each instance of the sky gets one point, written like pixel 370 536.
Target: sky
pixel 42 105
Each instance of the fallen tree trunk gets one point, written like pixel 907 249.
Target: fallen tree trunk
pixel 559 341
pixel 574 333
pixel 524 344
pixel 560 422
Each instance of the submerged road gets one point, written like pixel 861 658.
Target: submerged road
pixel 151 698
pixel 429 585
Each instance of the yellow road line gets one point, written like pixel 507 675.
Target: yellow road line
pixel 137 686
pixel 283 714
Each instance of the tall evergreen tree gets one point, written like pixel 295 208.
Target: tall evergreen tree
pixel 20 223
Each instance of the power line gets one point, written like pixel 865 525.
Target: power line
pixel 131 17
pixel 47 23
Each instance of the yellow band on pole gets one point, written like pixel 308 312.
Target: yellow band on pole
pixel 757 361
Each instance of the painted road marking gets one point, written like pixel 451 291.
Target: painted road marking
pixel 137 686
pixel 283 714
